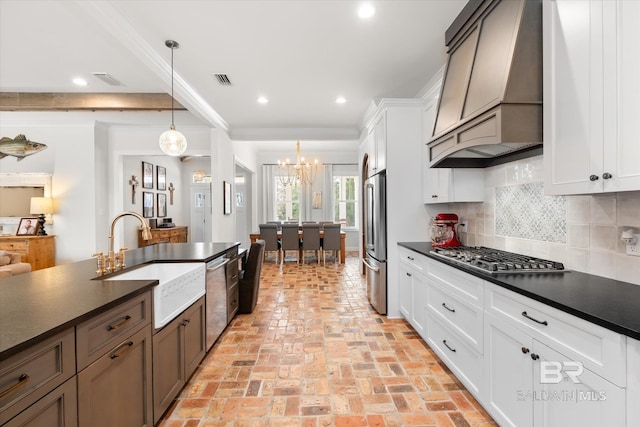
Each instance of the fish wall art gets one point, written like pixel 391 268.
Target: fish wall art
pixel 19 147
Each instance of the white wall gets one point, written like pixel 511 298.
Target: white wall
pixel 73 146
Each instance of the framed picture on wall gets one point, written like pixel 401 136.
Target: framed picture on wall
pixel 161 175
pixel 162 205
pixel 227 197
pixel 147 175
pixel 147 204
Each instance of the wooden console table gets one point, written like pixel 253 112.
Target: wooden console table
pixel 39 251
pixel 165 235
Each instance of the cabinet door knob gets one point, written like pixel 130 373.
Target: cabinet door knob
pixel 607 175
pixel 534 356
pixel 593 177
pixel 525 350
pixel 408 274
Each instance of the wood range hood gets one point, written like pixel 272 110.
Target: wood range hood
pixel 490 106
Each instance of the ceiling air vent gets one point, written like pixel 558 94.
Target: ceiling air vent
pixel 223 79
pixel 107 79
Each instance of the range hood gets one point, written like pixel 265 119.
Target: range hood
pixel 490 106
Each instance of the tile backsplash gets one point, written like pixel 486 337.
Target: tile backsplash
pixel 524 211
pixel 583 232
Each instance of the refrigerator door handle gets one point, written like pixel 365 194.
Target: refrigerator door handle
pixel 371 267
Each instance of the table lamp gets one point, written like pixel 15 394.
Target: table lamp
pixel 41 206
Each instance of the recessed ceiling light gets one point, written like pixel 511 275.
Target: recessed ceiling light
pixel 80 81
pixel 340 100
pixel 262 100
pixel 366 11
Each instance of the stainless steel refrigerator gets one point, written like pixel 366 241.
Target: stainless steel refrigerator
pixel 376 241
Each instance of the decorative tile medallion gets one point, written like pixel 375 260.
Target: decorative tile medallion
pixel 524 211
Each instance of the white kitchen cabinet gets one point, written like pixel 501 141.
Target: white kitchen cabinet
pixel 453 185
pixel 592 401
pixel 413 289
pixel 377 144
pixel 519 393
pixel 591 92
pixel 508 373
pixel 464 361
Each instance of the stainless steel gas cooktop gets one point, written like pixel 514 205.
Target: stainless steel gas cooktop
pixel 494 261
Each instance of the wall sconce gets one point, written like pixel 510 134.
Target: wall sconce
pixel 41 206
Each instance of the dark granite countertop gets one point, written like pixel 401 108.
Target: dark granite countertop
pixel 36 305
pixel 609 303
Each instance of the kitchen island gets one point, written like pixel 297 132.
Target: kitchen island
pixel 70 338
pixel 37 305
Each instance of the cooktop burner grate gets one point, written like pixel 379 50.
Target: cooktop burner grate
pixel 495 261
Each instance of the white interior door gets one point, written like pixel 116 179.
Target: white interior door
pixel 201 212
pixel 243 206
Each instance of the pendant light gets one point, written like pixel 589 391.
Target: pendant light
pixel 171 141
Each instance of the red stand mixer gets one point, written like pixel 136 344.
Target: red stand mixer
pixel 443 230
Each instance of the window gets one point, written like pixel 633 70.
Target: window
pixel 287 205
pixel 345 195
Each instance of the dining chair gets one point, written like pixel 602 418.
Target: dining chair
pixel 311 239
pixel 331 240
pixel 278 223
pixel 249 283
pixel 269 233
pixel 290 240
pixel 309 222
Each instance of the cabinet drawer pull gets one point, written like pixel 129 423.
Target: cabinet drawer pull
pixel 22 380
pixel 434 196
pixel 126 346
pixel 120 324
pixel 185 322
pixel 447 345
pixel 542 322
pixel 453 310
pixel 411 258
pixel 408 274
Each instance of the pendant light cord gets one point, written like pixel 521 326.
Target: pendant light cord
pixel 172 123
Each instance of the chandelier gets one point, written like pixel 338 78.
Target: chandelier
pixel 301 172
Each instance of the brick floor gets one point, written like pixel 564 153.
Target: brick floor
pixel 314 353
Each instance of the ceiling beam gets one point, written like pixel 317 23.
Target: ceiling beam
pixel 31 101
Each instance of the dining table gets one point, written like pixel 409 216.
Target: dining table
pixel 343 236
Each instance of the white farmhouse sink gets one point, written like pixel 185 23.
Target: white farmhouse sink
pixel 180 285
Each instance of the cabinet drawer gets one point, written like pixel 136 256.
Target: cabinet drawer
pixel 464 285
pixel 463 361
pixel 20 246
pixel 232 274
pixel 600 350
pixel 414 259
pixel 29 375
pixel 57 409
pixel 462 317
pixel 233 302
pixel 99 334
